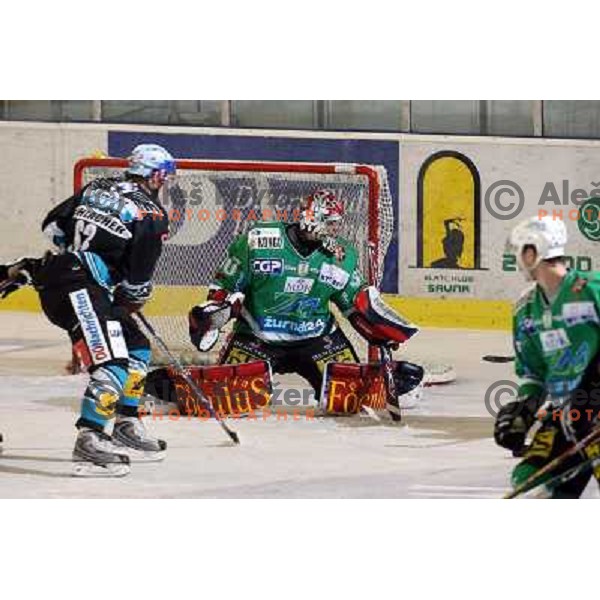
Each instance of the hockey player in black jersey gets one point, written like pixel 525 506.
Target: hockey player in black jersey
pixel 109 236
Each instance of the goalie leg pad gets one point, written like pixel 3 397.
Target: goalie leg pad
pixel 231 389
pixel 347 386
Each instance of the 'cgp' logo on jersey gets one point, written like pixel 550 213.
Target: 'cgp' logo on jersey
pixel 265 239
pixel 334 276
pixel 267 266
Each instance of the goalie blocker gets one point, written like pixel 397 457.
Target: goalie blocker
pixel 207 319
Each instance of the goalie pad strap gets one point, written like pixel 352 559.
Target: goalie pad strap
pixel 376 321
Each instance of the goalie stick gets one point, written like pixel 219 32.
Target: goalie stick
pixel 385 357
pixel 195 389
pixel 392 403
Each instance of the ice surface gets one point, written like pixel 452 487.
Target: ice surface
pixel 444 449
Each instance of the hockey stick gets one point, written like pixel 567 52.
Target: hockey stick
pixel 197 391
pixel 392 403
pixel 564 477
pixel 494 358
pixel 385 355
pixel 4 285
pixel 19 280
pixel 533 480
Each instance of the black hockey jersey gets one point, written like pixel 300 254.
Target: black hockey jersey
pixel 115 228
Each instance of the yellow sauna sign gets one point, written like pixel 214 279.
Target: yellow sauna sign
pixel 448 213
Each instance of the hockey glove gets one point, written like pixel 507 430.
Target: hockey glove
pixel 208 318
pixel 17 274
pixel 513 422
pixel 130 298
pixel 379 324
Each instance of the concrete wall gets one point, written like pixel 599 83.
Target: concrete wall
pixel 457 174
pixel 36 173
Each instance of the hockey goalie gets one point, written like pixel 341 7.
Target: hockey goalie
pixel 277 283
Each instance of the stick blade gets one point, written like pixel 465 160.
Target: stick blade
pixel 495 358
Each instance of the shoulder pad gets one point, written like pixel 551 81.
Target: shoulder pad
pixel 582 280
pixel 103 183
pixel 267 225
pixel 266 235
pixel 579 284
pixel 525 298
pixel 349 249
pixel 127 187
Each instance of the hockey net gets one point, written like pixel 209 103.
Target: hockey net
pixel 211 202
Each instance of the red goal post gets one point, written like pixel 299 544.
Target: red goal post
pixel 368 223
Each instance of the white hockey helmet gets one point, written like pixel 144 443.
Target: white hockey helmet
pixel 546 234
pixel 145 159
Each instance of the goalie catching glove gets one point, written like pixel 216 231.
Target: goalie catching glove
pixel 207 319
pixel 377 322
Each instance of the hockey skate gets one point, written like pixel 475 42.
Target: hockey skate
pixel 129 434
pixel 95 455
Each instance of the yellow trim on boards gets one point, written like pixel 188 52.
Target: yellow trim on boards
pixel 425 312
pixel 25 300
pixel 453 313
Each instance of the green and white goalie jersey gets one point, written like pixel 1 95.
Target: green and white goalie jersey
pixel 555 342
pixel 287 295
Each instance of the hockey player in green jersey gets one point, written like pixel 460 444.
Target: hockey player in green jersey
pixel 556 329
pixel 278 281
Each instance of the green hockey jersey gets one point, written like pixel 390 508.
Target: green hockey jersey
pixel 287 295
pixel 556 341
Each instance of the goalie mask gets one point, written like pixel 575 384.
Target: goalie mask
pixel 147 159
pixel 318 212
pixel 547 235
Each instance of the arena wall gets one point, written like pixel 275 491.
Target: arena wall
pixel 447 266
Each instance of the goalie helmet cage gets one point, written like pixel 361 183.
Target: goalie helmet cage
pixel 211 202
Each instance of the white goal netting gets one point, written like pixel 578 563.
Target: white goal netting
pixel 210 203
